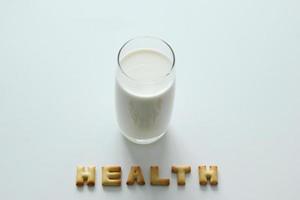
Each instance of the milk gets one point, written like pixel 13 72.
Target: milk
pixel 145 88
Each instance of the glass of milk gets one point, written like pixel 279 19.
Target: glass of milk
pixel 145 86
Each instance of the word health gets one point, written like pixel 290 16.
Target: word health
pixel 112 175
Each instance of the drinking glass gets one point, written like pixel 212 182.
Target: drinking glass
pixel 145 88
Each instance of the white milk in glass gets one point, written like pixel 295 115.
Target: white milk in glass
pixel 144 94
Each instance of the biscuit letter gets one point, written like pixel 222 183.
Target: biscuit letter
pixel 210 175
pixel 85 175
pixel 155 180
pixel 135 175
pixel 181 171
pixel 111 175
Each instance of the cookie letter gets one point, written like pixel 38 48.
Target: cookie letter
pixel 85 175
pixel 155 180
pixel 181 171
pixel 111 175
pixel 135 175
pixel 210 175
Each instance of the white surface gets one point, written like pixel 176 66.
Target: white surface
pixel 237 99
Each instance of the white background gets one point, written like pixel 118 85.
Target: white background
pixel 237 98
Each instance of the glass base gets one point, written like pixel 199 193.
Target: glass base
pixel 143 141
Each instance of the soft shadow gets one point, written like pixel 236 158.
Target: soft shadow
pixel 180 187
pixel 143 153
pixel 91 189
pixel 211 187
pixel 83 188
pixel 215 188
pixel 112 188
pixel 203 188
pixel 137 187
pixel 80 189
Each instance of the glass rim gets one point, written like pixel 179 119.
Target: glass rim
pixel 146 37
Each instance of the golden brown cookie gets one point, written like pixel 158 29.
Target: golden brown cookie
pixel 135 175
pixel 111 175
pixel 154 175
pixel 84 175
pixel 181 171
pixel 208 175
